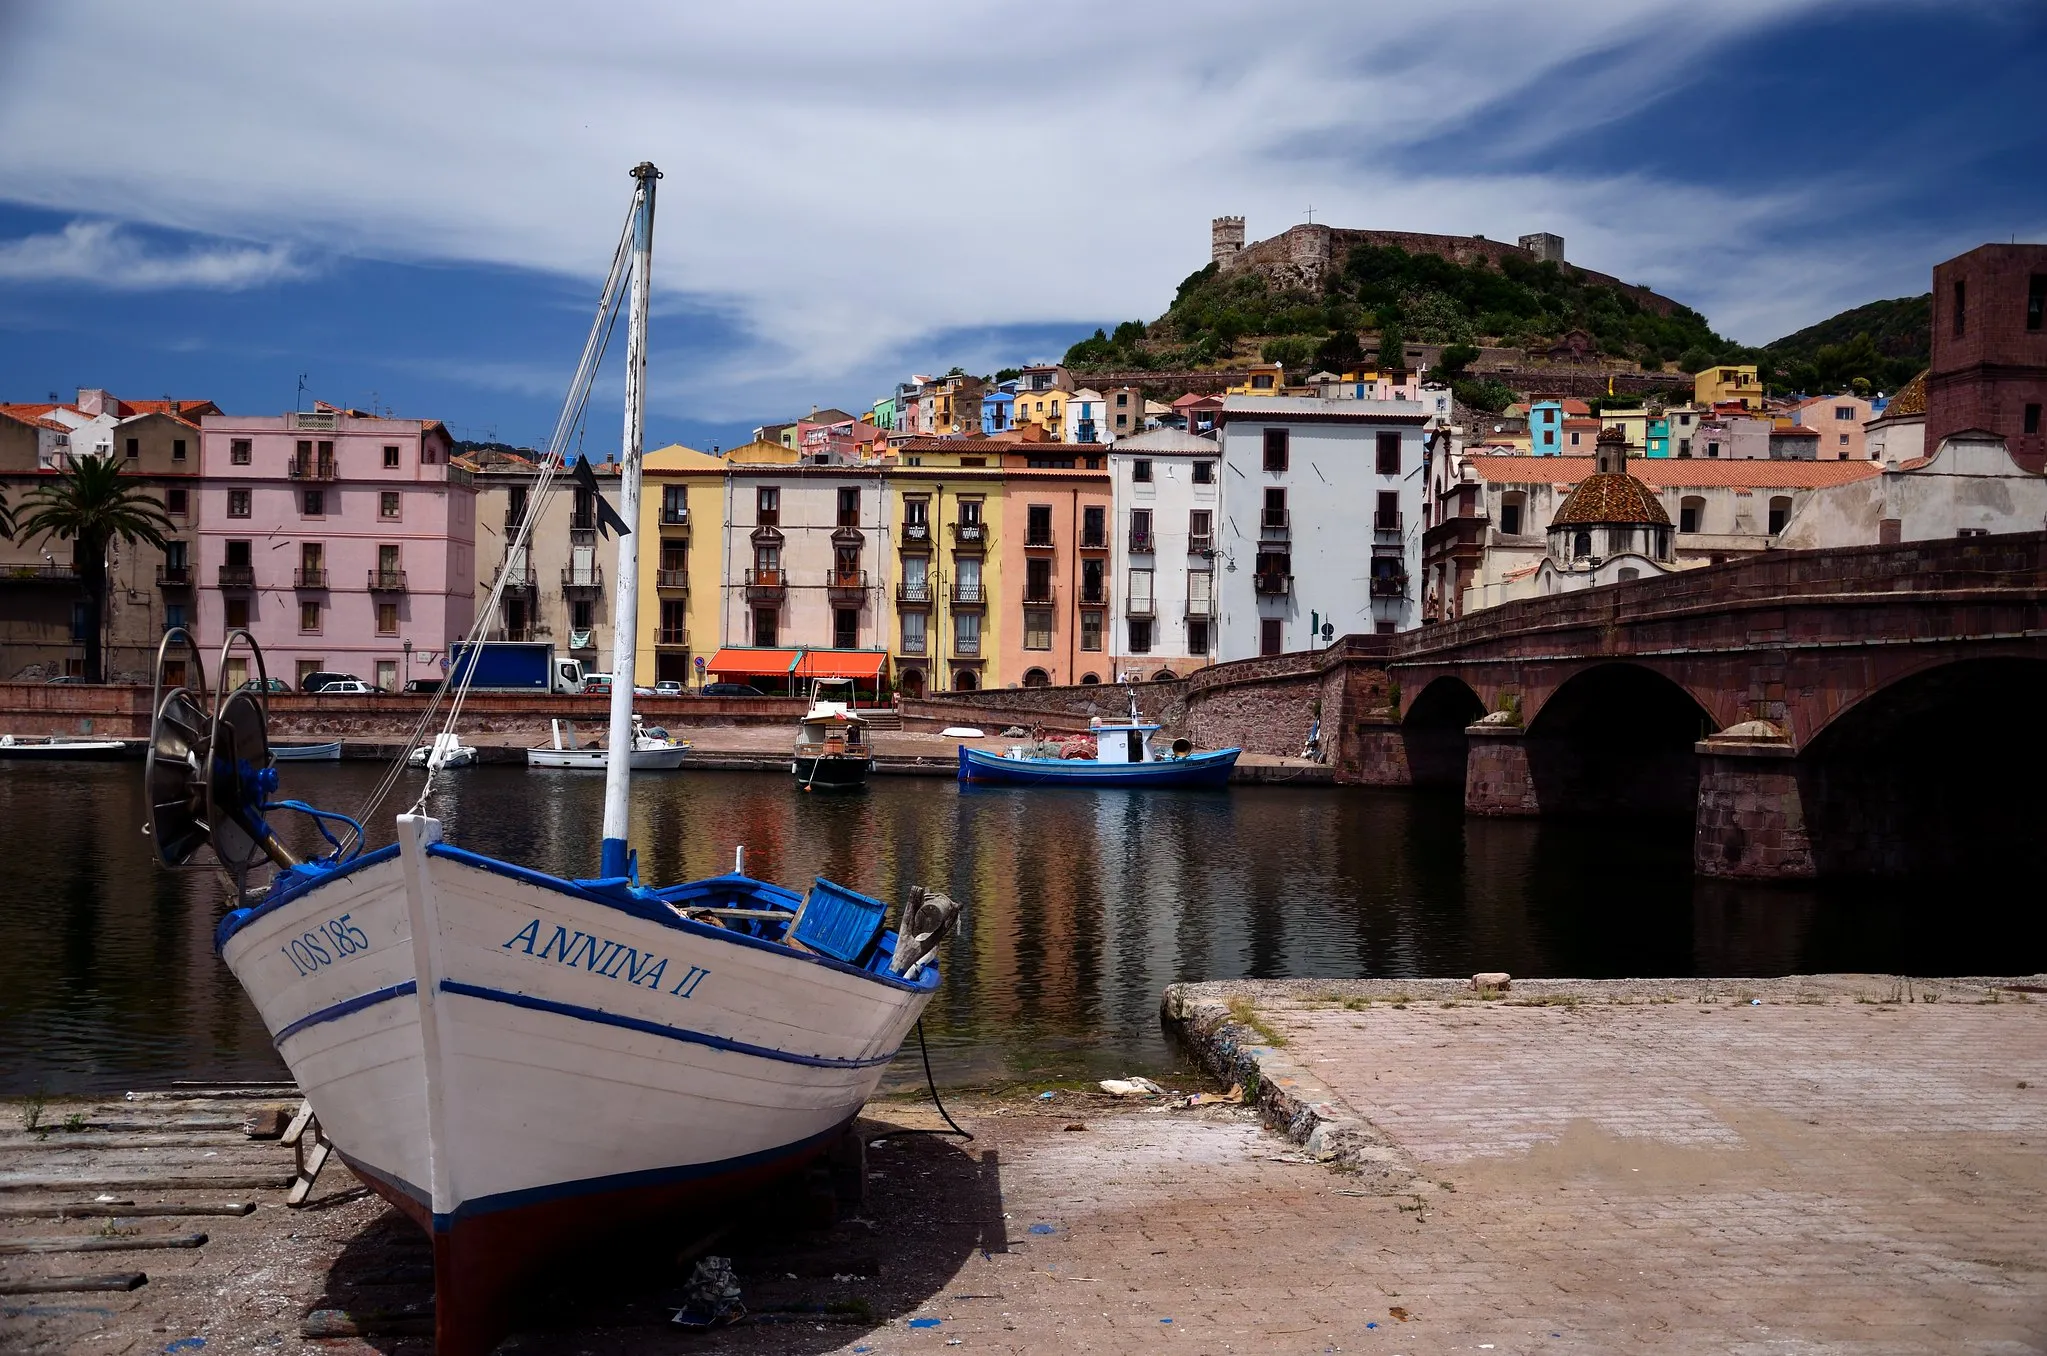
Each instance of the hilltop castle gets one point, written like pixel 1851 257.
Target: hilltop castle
pixel 1302 255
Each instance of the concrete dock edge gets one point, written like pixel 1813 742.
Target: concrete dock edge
pixel 1289 1098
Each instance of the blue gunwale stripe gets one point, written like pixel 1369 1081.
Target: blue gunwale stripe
pixel 345 1007
pixel 676 1033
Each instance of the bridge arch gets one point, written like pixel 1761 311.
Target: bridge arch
pixel 1938 771
pixel 1617 738
pixel 1432 728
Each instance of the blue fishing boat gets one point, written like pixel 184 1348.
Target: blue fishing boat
pixel 1123 755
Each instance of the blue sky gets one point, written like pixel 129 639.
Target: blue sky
pixel 411 205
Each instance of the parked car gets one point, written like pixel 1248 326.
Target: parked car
pixel 63 678
pixel 730 690
pixel 318 680
pixel 346 687
pixel 597 685
pixel 424 685
pixel 265 685
pixel 668 687
pixel 640 691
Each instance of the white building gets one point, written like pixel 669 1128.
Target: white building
pixel 1167 488
pixel 1323 519
pixel 1969 487
pixel 1086 419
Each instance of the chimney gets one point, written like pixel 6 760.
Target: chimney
pixel 91 400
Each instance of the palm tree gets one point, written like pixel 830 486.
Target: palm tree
pixel 89 505
pixel 6 518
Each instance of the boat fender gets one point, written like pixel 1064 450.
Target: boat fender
pixel 928 919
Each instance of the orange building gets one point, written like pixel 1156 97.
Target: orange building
pixel 1054 572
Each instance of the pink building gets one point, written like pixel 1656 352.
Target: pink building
pixel 343 541
pixel 1838 419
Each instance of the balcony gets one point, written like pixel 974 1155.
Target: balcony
pixel 1275 523
pixel 1272 585
pixel 671 635
pixel 518 581
pixel 847 588
pixel 238 576
pixel 1386 524
pixel 313 421
pixel 33 574
pixel 970 536
pixel 387 581
pixel 310 468
pixel 1038 539
pixel 964 647
pixel 583 522
pixel 1200 544
pixel 309 579
pixel 1200 607
pixel 174 576
pixel 1141 543
pixel 514 519
pixel 969 595
pixel 1389 585
pixel 916 535
pixel 1096 596
pixel 914 595
pixel 582 583
pixel 1140 606
pixel 1039 594
pixel 672 579
pixel 675 515
pixel 765 586
pixel 1094 541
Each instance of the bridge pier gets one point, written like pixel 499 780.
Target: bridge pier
pixel 1751 822
pixel 1497 779
pixel 1376 754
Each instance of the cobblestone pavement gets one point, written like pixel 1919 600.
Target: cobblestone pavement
pixel 1815 1174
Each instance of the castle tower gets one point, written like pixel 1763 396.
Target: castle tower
pixel 1226 237
pixel 1545 247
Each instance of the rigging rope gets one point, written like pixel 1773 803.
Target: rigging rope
pixel 574 406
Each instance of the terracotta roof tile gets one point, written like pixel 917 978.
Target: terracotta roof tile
pixel 1910 399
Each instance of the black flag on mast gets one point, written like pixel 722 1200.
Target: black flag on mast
pixel 607 516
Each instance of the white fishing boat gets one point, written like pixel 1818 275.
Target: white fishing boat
pixel 651 750
pixel 329 752
pixel 446 751
pixel 57 748
pixel 834 750
pixel 527 1064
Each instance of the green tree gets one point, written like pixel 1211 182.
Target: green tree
pixel 1129 334
pixel 1456 358
pixel 6 517
pixel 1392 345
pixel 1341 352
pixel 90 505
pixel 1488 395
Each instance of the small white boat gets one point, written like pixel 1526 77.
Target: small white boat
pixel 307 753
pixel 833 750
pixel 653 751
pixel 52 747
pixel 447 750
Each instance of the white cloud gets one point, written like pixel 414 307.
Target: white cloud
pixel 844 181
pixel 104 254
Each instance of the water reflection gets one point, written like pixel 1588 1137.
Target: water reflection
pixel 1083 905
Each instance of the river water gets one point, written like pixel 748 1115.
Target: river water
pixel 1082 905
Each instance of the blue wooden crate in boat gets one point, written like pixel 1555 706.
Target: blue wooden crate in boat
pixel 840 923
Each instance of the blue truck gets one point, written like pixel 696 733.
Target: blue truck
pixel 515 666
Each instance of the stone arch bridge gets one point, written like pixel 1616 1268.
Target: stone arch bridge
pixel 1874 710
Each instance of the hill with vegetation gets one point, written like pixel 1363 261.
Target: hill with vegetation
pixel 1383 298
pixel 1877 347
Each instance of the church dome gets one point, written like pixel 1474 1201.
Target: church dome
pixel 1610 496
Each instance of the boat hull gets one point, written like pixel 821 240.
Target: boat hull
pixel 828 773
pixel 521 1063
pixel 1197 769
pixel 307 753
pixel 90 750
pixel 594 760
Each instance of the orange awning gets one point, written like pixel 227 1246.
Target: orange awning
pixel 866 664
pixel 753 663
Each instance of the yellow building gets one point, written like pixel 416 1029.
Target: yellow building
pixel 1719 384
pixel 1046 409
pixel 1633 423
pixel 1261 379
pixel 682 570
pixel 946 621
